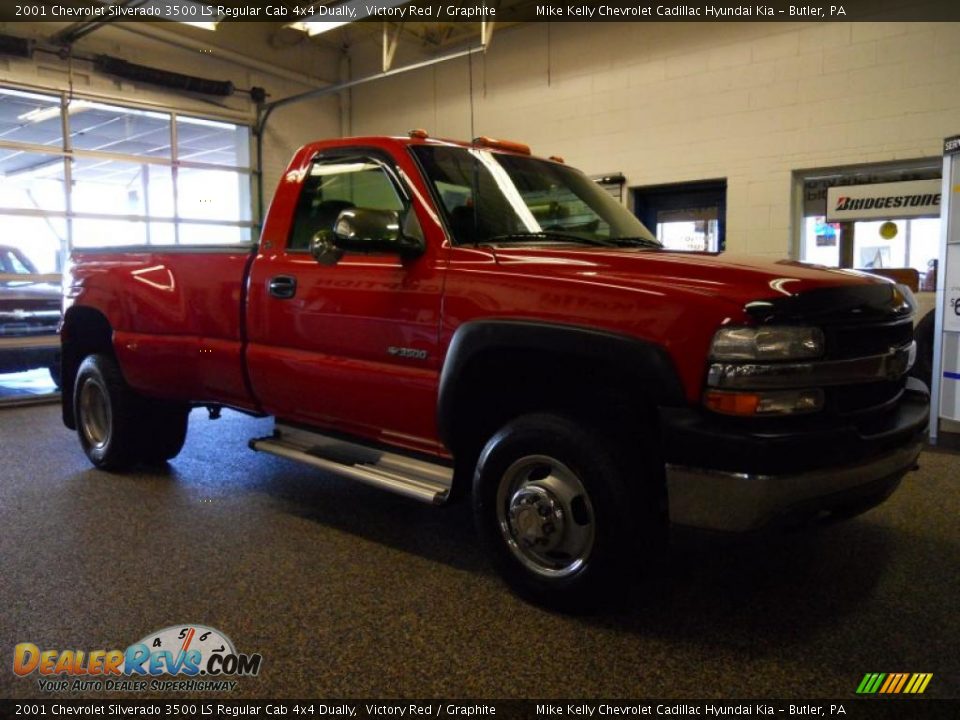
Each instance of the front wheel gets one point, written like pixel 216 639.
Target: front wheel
pixel 557 512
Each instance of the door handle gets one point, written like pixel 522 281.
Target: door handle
pixel 282 286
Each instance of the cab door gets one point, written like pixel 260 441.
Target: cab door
pixel 350 347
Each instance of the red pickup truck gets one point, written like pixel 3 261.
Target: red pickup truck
pixel 441 318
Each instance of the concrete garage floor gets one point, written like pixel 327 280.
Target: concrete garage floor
pixel 351 592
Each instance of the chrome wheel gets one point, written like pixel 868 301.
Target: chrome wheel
pixel 96 418
pixel 545 516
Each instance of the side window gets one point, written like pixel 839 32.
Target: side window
pixel 335 184
pixel 10 262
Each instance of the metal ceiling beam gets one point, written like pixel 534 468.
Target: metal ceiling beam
pixel 266 110
pixel 186 43
pixel 72 33
pixel 486 33
pixel 390 44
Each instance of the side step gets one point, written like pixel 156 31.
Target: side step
pixel 417 479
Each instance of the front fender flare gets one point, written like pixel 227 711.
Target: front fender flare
pixel 645 366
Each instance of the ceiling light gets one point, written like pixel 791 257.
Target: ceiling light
pixel 347 12
pixel 203 25
pixel 315 28
pixel 38 115
pixel 207 14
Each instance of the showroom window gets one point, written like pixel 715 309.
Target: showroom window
pixel 87 174
pixel 893 241
pixel 685 216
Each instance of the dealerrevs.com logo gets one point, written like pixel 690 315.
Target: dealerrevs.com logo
pixel 205 656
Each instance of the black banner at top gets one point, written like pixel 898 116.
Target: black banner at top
pixel 289 11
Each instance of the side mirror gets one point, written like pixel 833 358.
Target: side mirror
pixel 368 230
pixel 323 249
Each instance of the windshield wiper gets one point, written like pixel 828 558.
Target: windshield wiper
pixel 637 241
pixel 549 235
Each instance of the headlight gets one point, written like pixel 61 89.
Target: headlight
pixel 767 343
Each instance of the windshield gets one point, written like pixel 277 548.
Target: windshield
pixel 498 198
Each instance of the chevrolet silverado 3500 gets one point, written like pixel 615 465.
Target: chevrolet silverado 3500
pixel 444 319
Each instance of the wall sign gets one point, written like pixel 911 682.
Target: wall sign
pixel 951 287
pixel 883 201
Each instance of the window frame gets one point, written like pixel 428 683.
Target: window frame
pixel 360 153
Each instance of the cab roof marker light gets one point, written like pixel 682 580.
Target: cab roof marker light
pixel 419 134
pixel 508 145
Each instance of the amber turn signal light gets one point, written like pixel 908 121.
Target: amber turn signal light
pixel 746 404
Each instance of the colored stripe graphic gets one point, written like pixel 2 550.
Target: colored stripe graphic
pixel 870 683
pixel 894 683
pixel 903 680
pixel 952 375
pixel 918 683
pixel 891 680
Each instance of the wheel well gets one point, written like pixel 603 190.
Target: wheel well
pixel 497 386
pixel 85 331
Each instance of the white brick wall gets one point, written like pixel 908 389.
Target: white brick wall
pixel 664 103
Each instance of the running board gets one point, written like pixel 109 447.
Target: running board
pixel 417 479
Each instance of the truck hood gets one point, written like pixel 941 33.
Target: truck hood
pixel 740 280
pixel 17 292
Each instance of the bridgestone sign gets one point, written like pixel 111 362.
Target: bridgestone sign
pixel 884 201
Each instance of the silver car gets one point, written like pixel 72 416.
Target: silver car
pixel 29 316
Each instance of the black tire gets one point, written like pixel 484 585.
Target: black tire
pixel 923 334
pixel 106 411
pixel 164 431
pixel 117 426
pixel 587 553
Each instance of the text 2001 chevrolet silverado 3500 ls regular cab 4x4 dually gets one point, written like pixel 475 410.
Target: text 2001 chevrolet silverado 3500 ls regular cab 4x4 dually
pixel 434 317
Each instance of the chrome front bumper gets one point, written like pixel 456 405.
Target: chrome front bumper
pixel 29 342
pixel 738 502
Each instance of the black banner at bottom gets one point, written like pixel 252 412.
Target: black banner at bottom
pixel 533 709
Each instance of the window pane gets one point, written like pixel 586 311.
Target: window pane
pixel 94 126
pixel 214 235
pixel 31 180
pixel 38 239
pixel 332 187
pixel 91 233
pixel 30 118
pixel 213 194
pixel 116 187
pixel 161 233
pixel 691 236
pixel 872 250
pixel 96 232
pixel 924 244
pixel 820 243
pixel 214 142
